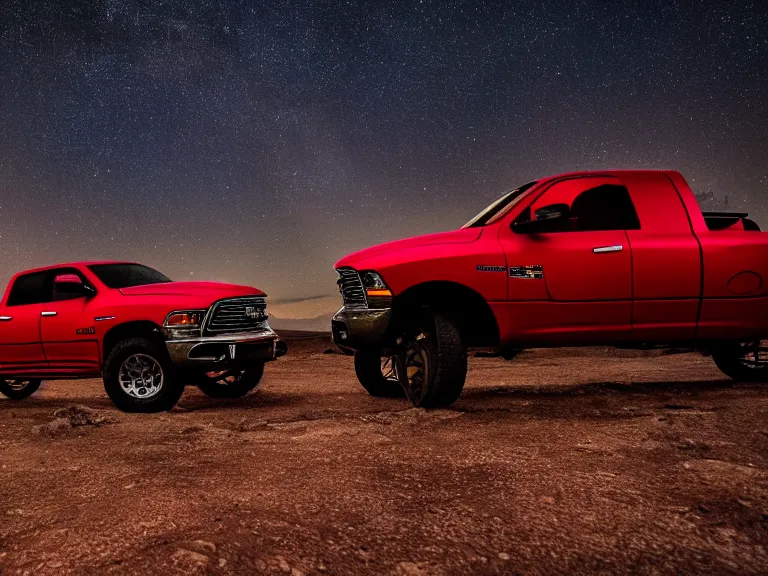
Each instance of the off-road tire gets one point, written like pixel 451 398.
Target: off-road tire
pixel 170 392
pixel 19 394
pixel 370 376
pixel 248 380
pixel 449 357
pixel 728 359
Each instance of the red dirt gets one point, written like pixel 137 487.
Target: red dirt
pixel 560 461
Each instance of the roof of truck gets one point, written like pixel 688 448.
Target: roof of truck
pixel 604 172
pixel 74 265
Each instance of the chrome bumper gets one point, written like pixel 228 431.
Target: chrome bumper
pixel 226 350
pixel 359 329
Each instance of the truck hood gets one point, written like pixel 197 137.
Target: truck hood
pixel 209 290
pixel 462 236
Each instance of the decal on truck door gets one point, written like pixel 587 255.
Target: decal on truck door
pixel 527 272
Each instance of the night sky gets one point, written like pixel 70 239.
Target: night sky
pixel 257 142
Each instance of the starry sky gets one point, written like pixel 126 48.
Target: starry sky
pixel 258 142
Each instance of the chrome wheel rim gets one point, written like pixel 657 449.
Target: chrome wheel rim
pixel 389 369
pixel 141 376
pixel 754 355
pixel 410 366
pixel 18 385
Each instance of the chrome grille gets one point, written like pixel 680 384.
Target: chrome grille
pixel 237 315
pixel 351 288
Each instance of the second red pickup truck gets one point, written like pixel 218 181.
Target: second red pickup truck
pixel 624 258
pixel 146 335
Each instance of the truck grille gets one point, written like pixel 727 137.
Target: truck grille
pixel 351 288
pixel 237 315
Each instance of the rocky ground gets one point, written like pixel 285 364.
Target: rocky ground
pixel 560 461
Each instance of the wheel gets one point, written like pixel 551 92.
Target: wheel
pixel 377 374
pixel 19 389
pixel 510 353
pixel 231 383
pixel 431 361
pixel 139 377
pixel 747 362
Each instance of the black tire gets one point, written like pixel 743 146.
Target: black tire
pixel 368 367
pixel 169 389
pixel 511 353
pixel 737 361
pixel 19 388
pixel 437 340
pixel 234 384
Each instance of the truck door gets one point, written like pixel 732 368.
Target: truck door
pixel 579 272
pixel 67 325
pixel 20 345
pixel 666 260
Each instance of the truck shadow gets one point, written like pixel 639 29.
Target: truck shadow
pixel 607 400
pixel 260 399
pixel 594 388
pixel 190 402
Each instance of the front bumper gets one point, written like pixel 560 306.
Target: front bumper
pixel 226 350
pixel 359 329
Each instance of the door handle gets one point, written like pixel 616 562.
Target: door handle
pixel 46 314
pixel 607 249
pixel 6 318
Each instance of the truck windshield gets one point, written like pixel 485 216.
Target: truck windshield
pixel 502 203
pixel 127 275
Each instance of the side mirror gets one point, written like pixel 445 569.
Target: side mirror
pixel 548 218
pixel 71 287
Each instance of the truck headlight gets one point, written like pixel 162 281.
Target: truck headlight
pixel 190 319
pixel 379 295
pixel 183 323
pixel 374 284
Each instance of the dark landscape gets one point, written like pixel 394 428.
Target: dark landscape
pixel 559 461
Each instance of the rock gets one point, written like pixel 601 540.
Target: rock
pixel 504 556
pixel 413 569
pixel 283 564
pixel 56 427
pixel 65 419
pixel 190 557
pixel 201 546
pixel 81 416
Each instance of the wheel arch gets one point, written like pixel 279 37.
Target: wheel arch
pixel 132 329
pixel 467 307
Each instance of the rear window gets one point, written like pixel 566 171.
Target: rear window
pixel 127 275
pixel 35 288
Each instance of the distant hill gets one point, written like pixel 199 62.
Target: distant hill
pixel 306 314
pixel 318 324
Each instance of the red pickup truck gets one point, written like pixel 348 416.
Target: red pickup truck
pixel 623 258
pixel 146 335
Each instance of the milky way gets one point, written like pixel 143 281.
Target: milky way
pixel 257 142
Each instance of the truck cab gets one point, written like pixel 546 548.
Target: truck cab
pixel 623 258
pixel 146 335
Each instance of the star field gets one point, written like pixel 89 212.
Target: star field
pixel 258 142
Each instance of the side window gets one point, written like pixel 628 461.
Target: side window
pixel 35 288
pixel 606 207
pixel 595 204
pixel 68 285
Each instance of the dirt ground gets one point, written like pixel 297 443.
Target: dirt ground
pixel 560 461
